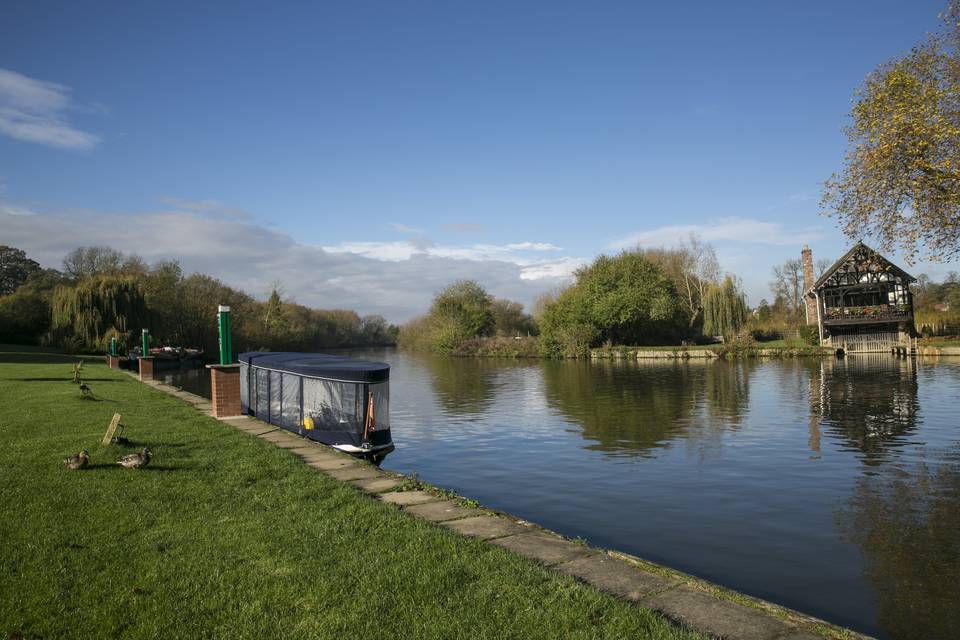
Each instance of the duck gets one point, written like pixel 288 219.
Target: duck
pixel 78 461
pixel 135 460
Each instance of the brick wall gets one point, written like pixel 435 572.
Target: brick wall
pixel 146 368
pixel 809 302
pixel 225 390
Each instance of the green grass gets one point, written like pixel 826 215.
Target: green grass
pixel 226 536
pixel 940 342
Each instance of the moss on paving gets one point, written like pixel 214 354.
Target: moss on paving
pixel 224 535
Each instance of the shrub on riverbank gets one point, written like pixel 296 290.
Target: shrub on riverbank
pixel 624 299
pixel 462 319
pixel 500 347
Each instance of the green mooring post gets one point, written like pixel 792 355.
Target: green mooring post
pixel 145 343
pixel 223 326
pixel 113 346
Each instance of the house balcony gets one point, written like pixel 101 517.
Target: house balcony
pixel 837 316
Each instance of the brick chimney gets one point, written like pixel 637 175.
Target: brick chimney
pixel 809 302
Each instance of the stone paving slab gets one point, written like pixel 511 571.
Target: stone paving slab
pixel 404 498
pixel 281 439
pixel 328 464
pixel 617 576
pixel 486 527
pixel 260 430
pixel 709 614
pixel 315 452
pixel 544 548
pixel 378 485
pixel 442 511
pixel 355 472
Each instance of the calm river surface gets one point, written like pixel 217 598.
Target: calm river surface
pixel 829 486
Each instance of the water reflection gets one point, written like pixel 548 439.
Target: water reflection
pixel 466 386
pixel 867 402
pixel 908 530
pixel 635 408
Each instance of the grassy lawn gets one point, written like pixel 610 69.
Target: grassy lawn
pixel 226 536
pixel 940 342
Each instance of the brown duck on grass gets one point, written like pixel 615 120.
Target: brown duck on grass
pixel 135 460
pixel 78 461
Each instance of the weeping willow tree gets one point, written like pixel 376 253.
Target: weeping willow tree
pixel 98 308
pixel 724 309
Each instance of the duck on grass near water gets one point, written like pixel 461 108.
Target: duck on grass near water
pixel 135 460
pixel 77 461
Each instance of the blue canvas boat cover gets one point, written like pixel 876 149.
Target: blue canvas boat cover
pixel 318 365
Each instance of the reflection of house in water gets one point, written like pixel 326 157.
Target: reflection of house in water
pixel 868 402
pixel 861 303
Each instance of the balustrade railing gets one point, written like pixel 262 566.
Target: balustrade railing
pixel 877 312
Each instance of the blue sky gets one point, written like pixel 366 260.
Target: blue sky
pixel 364 154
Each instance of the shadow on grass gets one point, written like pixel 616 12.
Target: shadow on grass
pixel 116 467
pixel 60 379
pixel 45 358
pixel 96 399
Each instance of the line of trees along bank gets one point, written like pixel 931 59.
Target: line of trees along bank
pixel 102 293
pixel 638 297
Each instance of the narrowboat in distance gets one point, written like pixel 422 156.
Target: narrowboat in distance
pixel 338 401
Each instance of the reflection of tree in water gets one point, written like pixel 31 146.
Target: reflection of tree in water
pixel 908 530
pixel 868 402
pixel 727 392
pixel 630 408
pixel 465 385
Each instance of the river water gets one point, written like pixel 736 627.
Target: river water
pixel 831 486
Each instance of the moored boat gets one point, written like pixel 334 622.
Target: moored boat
pixel 335 400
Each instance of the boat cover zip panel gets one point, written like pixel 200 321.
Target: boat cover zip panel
pixel 290 404
pixel 244 388
pixel 276 396
pixel 262 410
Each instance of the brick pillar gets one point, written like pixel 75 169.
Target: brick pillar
pixel 808 300
pixel 113 361
pixel 225 389
pixel 146 368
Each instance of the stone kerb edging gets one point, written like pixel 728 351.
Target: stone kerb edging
pixel 691 602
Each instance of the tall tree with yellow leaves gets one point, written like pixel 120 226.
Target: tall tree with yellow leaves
pixel 901 179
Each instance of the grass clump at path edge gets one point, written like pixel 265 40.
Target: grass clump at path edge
pixel 225 535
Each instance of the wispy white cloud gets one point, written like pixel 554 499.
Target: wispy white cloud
pixel 36 111
pixel 731 229
pixel 560 269
pixel 206 207
pixel 14 210
pixel 519 253
pixel 533 246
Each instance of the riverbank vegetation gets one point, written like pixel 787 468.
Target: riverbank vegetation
pixel 225 535
pixel 102 293
pixel 638 297
pixel 463 317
